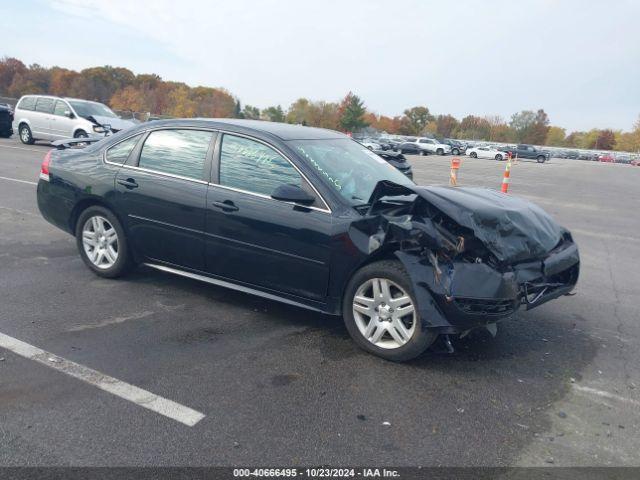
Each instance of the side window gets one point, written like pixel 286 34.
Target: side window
pixel 27 103
pixel 120 153
pixel 60 108
pixel 44 105
pixel 252 166
pixel 176 152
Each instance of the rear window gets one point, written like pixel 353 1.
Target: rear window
pixel 44 105
pixel 120 153
pixel 27 103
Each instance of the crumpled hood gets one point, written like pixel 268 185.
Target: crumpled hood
pixel 511 228
pixel 115 123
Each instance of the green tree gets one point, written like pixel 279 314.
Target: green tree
pixel 417 119
pixel 273 114
pixel 351 113
pixel 530 127
pixel 474 128
pixel 250 112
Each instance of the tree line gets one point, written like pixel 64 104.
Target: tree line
pixel 121 89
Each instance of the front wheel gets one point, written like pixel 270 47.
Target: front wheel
pixel 499 157
pixel 25 134
pixel 455 151
pixel 541 159
pixel 440 151
pixel 380 313
pixel 80 134
pixel 102 243
pixel 473 155
pixel 421 153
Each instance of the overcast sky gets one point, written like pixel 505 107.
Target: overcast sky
pixel 579 60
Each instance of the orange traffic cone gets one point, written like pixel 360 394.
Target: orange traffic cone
pixel 506 176
pixel 455 166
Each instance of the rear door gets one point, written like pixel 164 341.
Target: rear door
pixel 256 240
pixel 162 192
pixel 41 118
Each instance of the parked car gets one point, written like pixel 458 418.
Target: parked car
pixel 635 162
pixel 457 147
pixel 431 145
pixel 528 151
pixel 572 154
pixel 308 217
pixel 397 160
pixel 410 148
pixel 43 117
pixel 370 144
pixel 6 120
pixel 607 158
pixel 487 152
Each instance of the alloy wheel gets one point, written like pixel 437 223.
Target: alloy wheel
pixel 100 242
pixel 24 135
pixel 384 313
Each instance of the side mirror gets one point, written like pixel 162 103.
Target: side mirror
pixel 68 114
pixel 292 193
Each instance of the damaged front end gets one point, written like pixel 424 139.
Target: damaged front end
pixel 474 255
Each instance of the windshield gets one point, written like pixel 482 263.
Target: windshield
pixel 86 109
pixel 351 169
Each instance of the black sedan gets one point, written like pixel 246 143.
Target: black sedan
pixel 397 160
pixel 410 148
pixel 6 120
pixel 308 217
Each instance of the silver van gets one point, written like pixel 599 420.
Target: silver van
pixel 43 117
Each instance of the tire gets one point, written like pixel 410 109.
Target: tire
pixel 440 151
pixel 80 134
pixel 407 342
pixel 421 153
pixel 104 265
pixel 541 159
pixel 499 157
pixel 473 155
pixel 455 151
pixel 24 132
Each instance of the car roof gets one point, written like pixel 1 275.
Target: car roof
pixel 283 131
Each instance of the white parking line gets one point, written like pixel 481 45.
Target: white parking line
pixel 22 148
pixel 16 180
pixel 608 395
pixel 140 397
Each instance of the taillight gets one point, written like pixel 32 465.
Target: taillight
pixel 44 168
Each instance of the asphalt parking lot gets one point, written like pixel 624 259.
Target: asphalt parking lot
pixel 276 385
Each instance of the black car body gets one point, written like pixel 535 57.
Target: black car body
pixel 397 160
pixel 457 147
pixel 6 120
pixel 410 148
pixel 467 263
pixel 527 151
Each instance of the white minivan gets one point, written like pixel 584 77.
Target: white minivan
pixel 43 117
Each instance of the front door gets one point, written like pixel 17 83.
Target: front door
pixel 256 240
pixel 163 195
pixel 61 124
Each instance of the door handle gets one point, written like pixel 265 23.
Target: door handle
pixel 128 183
pixel 227 206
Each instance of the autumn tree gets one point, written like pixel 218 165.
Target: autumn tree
pixel 417 119
pixel 351 113
pixel 606 140
pixel 446 124
pixel 9 68
pixel 556 137
pixel 473 128
pixel 530 127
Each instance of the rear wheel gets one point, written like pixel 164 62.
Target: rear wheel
pixel 380 313
pixel 455 151
pixel 421 153
pixel 102 243
pixel 25 134
pixel 440 151
pixel 473 155
pixel 541 159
